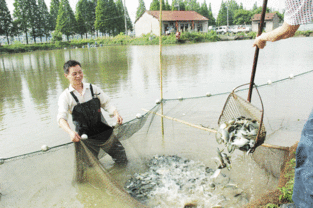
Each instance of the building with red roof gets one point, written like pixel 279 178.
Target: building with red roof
pixel 172 21
pixel 271 21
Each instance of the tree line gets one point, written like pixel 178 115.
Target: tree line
pixel 31 17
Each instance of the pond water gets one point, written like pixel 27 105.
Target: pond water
pixel 32 82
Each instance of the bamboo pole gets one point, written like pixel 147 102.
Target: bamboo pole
pixel 211 130
pixel 161 72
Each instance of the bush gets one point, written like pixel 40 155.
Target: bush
pixel 56 36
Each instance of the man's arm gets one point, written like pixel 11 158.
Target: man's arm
pixel 118 117
pixel 64 125
pixel 283 32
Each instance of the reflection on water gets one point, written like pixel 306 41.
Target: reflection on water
pixel 31 82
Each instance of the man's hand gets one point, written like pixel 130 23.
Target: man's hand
pixel 260 41
pixel 74 136
pixel 118 117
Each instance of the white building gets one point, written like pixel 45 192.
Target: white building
pixel 271 22
pixel 172 21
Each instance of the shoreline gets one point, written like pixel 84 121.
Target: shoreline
pixel 119 40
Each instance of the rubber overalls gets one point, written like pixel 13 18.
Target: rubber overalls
pixel 88 119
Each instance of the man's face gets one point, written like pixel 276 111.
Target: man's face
pixel 75 75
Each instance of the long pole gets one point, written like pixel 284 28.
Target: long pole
pixel 256 54
pixel 161 73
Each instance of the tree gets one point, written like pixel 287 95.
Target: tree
pixel 20 15
pixel 66 22
pixel 167 6
pixel 178 5
pixel 113 17
pixel 44 19
pixel 259 10
pixel 81 22
pixel 34 19
pixel 54 9
pixel 155 5
pixel 140 9
pixel 120 26
pixel 5 20
pixel 232 8
pixel 212 20
pixel 242 17
pixel 204 11
pixel 192 5
pixel 16 28
pixel 101 22
pixel 222 14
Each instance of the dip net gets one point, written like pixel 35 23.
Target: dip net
pixel 170 164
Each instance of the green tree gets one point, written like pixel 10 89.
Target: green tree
pixel 259 10
pixel 140 9
pixel 66 22
pixel 120 26
pixel 16 28
pixel 113 18
pixel 34 19
pixel 102 17
pixel 178 5
pixel 5 20
pixel 81 25
pixel 20 14
pixel 242 17
pixel 212 20
pixel 54 9
pixel 222 15
pixel 167 6
pixel 226 12
pixel 44 19
pixel 232 8
pixel 192 5
pixel 90 16
pixel 155 5
pixel 204 11
pixel 86 10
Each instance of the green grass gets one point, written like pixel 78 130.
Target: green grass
pixel 121 39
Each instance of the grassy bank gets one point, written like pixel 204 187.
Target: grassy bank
pixel 148 39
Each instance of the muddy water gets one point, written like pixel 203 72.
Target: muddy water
pixel 31 83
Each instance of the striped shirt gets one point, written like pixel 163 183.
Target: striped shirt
pixel 298 12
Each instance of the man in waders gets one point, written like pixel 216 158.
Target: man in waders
pixel 84 101
pixel 297 12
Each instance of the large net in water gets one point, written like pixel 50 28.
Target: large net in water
pixel 173 169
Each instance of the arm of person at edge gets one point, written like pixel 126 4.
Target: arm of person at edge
pixel 283 32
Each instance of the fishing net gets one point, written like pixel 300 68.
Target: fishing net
pixel 170 164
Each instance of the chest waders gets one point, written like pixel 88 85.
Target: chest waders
pixel 88 119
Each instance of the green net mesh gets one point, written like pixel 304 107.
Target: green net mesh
pixel 173 169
